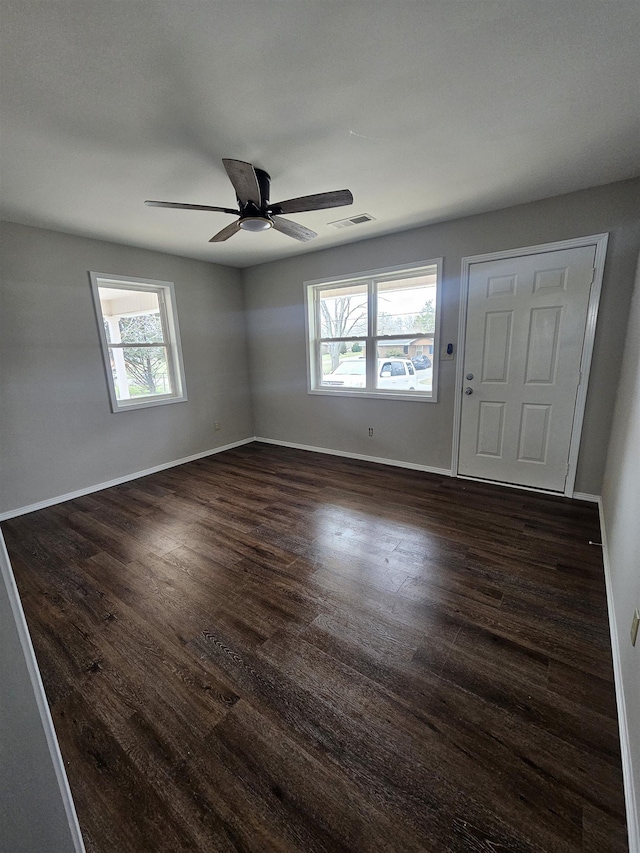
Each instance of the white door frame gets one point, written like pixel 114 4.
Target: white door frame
pixel 600 242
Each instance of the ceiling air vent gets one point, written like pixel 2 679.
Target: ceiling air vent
pixel 352 220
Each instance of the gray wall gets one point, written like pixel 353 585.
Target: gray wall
pixel 420 432
pixel 621 514
pixel 57 432
pixel 32 812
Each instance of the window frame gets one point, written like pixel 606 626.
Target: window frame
pixel 314 339
pixel 165 291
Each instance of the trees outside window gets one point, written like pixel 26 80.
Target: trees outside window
pixel 426 319
pixel 343 315
pixel 147 366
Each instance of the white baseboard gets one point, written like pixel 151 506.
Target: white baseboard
pixel 6 576
pixel 633 824
pixel 446 472
pixel 23 510
pixel 429 469
pixel 585 496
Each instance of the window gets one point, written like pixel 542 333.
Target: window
pixel 369 335
pixel 140 339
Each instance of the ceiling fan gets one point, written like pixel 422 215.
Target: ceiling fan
pixel 255 211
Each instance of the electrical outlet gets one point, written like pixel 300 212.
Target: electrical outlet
pixel 634 626
pixel 370 431
pixel 216 425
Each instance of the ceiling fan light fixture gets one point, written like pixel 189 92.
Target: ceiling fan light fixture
pixel 255 223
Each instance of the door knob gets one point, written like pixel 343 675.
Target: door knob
pixel 468 390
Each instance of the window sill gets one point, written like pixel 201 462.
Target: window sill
pixel 376 395
pixel 131 405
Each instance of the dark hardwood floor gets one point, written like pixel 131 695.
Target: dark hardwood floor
pixel 272 650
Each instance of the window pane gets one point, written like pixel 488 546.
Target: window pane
pixel 344 364
pixel 131 316
pixel 141 329
pixel 140 372
pixel 407 305
pixel 343 311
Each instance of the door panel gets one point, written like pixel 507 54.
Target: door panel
pixel 526 320
pixel 497 348
pixel 490 429
pixel 534 433
pixel 542 349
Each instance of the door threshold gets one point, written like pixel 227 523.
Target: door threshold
pixel 513 486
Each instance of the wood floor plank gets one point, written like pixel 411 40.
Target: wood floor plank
pixel 379 763
pixel 310 800
pixel 106 785
pixel 275 651
pixel 452 760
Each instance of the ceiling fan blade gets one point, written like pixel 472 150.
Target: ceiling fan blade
pixel 245 181
pixel 227 232
pixel 319 201
pixel 180 206
pixel 292 229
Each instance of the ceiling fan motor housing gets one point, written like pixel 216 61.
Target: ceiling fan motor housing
pixel 264 182
pixel 254 217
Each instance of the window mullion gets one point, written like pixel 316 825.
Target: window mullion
pixel 164 322
pixel 318 335
pixel 138 344
pixel 371 351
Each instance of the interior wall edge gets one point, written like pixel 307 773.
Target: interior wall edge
pixel 40 699
pixel 429 469
pixel 396 463
pixel 78 493
pixel 245 323
pixel 633 825
pixel 585 496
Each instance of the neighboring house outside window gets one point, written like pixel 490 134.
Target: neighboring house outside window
pixel 375 334
pixel 140 339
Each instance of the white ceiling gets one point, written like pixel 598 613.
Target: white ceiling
pixel 426 110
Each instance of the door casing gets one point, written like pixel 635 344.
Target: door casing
pixel 600 243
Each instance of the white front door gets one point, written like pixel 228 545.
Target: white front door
pixel 526 320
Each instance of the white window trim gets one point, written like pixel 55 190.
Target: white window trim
pixel 174 346
pixel 311 323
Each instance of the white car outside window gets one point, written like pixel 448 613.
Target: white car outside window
pixel 350 373
pixel 396 374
